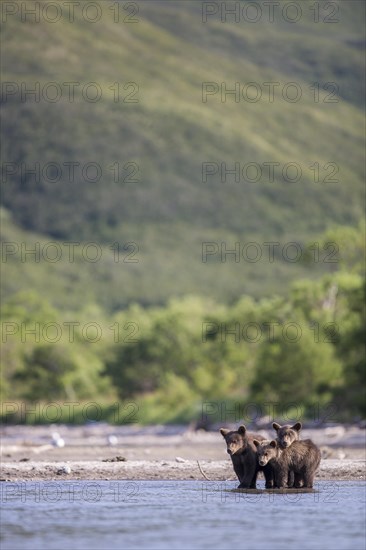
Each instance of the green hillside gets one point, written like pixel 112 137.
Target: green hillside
pixel 160 133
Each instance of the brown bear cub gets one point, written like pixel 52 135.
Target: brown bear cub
pixel 243 454
pixel 301 457
pixel 286 435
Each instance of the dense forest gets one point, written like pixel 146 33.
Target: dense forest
pixel 168 363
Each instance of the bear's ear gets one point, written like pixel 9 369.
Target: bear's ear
pixel 242 429
pixel 276 426
pixel 273 444
pixel 256 442
pixel 297 426
pixel 224 431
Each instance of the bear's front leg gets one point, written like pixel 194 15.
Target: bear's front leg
pixel 299 481
pixel 269 476
pixel 291 479
pixel 281 478
pixel 308 480
pixel 238 468
pixel 269 480
pixel 249 477
pixel 248 483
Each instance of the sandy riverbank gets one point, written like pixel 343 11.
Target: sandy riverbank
pixel 103 452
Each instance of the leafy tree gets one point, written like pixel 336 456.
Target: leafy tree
pixel 296 372
pixel 45 373
pixel 351 345
pixel 34 368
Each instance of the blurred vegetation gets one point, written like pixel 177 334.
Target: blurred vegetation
pixel 170 331
pixel 305 349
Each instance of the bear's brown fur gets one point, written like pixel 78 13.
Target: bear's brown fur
pixel 243 454
pixel 301 457
pixel 287 434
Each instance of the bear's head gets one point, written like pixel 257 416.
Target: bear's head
pixel 286 435
pixel 236 441
pixel 266 450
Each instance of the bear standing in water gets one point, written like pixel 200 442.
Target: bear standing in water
pixel 243 454
pixel 286 435
pixel 301 457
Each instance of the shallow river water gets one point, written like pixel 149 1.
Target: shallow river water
pixel 179 515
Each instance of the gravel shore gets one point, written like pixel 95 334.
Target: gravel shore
pixel 104 452
pixel 157 470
